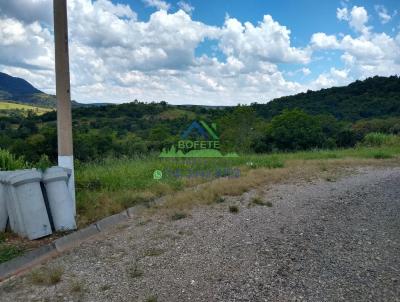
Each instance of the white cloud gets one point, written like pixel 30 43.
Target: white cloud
pixel 342 14
pixel 159 4
pixel 323 41
pixel 383 14
pixel 115 57
pixel 335 77
pixel 23 45
pixel 366 55
pixel 185 6
pixel 357 18
pixel 306 71
pixel 268 41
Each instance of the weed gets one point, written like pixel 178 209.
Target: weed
pixel 46 276
pixel 76 286
pixel 153 252
pixel 268 204
pixel 219 199
pixel 178 216
pixel 258 201
pixel 381 155
pixel 105 287
pixel 8 252
pixel 234 209
pixel 380 139
pixel 134 271
pixel 110 186
pixel 9 161
pixel 2 237
pixel 152 298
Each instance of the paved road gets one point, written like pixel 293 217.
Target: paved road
pixel 320 241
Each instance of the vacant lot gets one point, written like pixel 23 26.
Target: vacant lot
pixel 334 237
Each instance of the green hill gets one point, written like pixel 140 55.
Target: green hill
pixel 371 98
pixel 19 90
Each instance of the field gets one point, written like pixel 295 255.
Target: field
pixel 112 185
pixel 107 187
pixel 9 106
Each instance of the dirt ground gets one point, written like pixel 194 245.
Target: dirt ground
pixel 325 240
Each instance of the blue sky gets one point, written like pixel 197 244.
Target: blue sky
pixel 203 52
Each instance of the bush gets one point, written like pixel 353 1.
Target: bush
pixel 295 130
pixel 9 161
pixel 376 139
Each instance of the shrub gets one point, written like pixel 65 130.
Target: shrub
pixel 377 139
pixel 295 130
pixel 9 161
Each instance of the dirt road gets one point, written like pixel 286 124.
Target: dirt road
pixel 321 241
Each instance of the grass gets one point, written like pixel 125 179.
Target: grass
pixel 258 201
pixel 46 276
pixel 76 286
pixel 8 252
pixel 9 161
pixel 234 209
pixel 10 106
pixel 112 185
pixel 152 299
pixel 109 186
pixel 154 252
pixel 178 216
pixel 135 272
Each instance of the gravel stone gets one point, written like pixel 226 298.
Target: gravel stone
pixel 320 241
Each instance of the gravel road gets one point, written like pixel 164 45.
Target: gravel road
pixel 320 241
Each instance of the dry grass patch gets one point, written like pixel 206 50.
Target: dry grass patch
pixel 76 286
pixel 46 276
pixel 234 209
pixel 154 252
pixel 135 272
pixel 178 215
pixel 260 202
pixel 295 170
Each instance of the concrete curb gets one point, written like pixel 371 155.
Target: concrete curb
pixel 27 261
pixel 64 243
pixel 20 264
pixel 110 221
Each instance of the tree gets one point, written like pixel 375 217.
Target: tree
pixel 295 130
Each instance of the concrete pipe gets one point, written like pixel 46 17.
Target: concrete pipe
pixel 26 193
pixel 55 180
pixel 3 203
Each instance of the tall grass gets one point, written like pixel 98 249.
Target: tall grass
pixel 108 186
pixel 377 139
pixel 9 161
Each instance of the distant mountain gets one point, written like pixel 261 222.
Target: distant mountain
pixel 373 97
pixel 21 91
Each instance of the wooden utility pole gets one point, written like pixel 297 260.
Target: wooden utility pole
pixel 63 93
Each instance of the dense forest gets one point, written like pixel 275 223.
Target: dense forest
pixel 330 118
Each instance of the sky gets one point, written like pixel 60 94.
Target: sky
pixel 220 52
